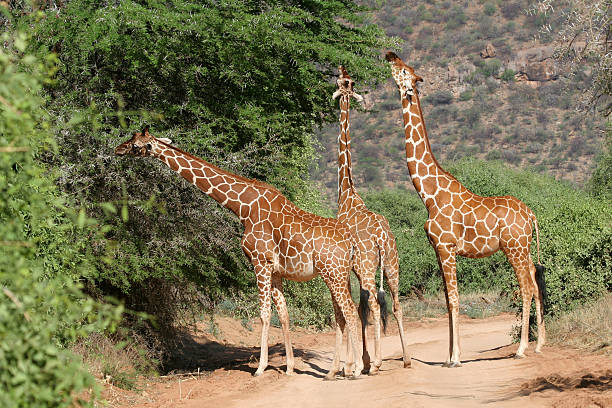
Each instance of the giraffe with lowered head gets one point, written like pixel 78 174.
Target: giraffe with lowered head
pixel 463 223
pixel 280 240
pixel 377 243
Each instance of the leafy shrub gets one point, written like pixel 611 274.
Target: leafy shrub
pixel 490 8
pixel 511 9
pixel 466 95
pixel 508 75
pixel 42 308
pixel 457 18
pixel 440 98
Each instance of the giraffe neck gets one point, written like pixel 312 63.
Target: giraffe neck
pixel 345 169
pixel 425 171
pixel 223 186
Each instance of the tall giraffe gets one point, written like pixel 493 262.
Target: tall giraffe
pixel 280 240
pixel 377 243
pixel 463 223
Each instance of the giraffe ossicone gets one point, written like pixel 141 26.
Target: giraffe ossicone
pixel 375 239
pixel 281 241
pixel 463 223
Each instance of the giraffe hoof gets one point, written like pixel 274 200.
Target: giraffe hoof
pixel 407 363
pixel 352 377
pixel 257 373
pixel 373 371
pixel 519 356
pixel 289 373
pixel 452 364
pixel 330 377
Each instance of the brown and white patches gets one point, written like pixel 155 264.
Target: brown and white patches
pixel 461 222
pixel 376 243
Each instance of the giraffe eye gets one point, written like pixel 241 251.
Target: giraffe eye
pixel 148 147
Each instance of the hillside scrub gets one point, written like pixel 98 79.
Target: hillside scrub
pixel 575 236
pixel 42 309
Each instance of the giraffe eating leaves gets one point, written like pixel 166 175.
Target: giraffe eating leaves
pixel 463 223
pixel 376 241
pixel 280 240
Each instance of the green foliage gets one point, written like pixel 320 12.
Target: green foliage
pixel 508 75
pixel 600 183
pixel 490 8
pixel 41 308
pixel 575 236
pixel 238 83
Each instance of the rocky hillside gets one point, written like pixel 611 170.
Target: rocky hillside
pixel 492 90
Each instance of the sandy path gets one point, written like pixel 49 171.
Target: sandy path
pixel 489 375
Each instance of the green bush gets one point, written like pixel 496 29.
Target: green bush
pixel 575 235
pixel 508 75
pixel 490 9
pixel 42 309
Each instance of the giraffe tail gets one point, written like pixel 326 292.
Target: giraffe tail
pixel 539 273
pixel 380 296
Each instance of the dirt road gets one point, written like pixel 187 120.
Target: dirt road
pixel 489 375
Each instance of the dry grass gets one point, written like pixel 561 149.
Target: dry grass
pixel 588 327
pixel 114 361
pixel 477 305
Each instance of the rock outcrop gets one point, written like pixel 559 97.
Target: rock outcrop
pixel 535 64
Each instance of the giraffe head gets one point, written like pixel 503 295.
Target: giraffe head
pixel 345 86
pixel 404 76
pixel 142 144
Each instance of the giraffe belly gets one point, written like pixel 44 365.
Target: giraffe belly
pixel 478 248
pixel 298 268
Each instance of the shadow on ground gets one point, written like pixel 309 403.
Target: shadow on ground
pixel 191 355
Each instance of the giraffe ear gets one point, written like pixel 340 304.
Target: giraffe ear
pixel 164 140
pixel 145 130
pixel 336 94
pixel 419 79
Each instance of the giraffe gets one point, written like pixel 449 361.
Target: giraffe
pixel 463 223
pixel 280 240
pixel 377 243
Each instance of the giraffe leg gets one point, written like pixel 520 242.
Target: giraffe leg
pixel 340 324
pixel 539 303
pixel 342 297
pixel 447 261
pixel 283 316
pixel 375 308
pixel 263 273
pixel 393 283
pixel 518 260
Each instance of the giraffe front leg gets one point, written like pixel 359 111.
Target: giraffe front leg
pixel 283 316
pixel 447 261
pixel 263 273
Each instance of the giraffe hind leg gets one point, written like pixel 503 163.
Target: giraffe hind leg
pixel 393 283
pixel 283 315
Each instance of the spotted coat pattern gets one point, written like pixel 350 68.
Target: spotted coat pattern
pixel 376 241
pixel 280 240
pixel 463 223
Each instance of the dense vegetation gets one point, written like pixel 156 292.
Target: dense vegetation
pixel 42 309
pixel 244 85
